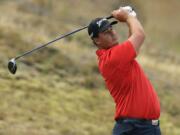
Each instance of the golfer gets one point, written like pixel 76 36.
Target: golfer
pixel 137 104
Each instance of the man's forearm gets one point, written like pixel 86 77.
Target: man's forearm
pixel 136 32
pixel 134 25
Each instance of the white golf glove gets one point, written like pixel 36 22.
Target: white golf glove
pixel 129 9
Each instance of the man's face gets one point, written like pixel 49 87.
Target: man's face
pixel 106 39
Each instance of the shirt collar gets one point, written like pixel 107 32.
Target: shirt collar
pixel 100 52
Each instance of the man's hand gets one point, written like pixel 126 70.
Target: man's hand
pixel 123 13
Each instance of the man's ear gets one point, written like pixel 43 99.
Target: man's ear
pixel 96 41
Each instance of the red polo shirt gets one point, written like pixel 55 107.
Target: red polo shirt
pixel 130 88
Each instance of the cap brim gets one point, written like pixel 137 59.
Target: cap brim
pixel 107 26
pixel 114 22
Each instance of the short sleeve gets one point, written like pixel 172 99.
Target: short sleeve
pixel 122 53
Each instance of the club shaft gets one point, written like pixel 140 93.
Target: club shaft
pixel 44 45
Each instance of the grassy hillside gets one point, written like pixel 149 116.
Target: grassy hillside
pixel 58 90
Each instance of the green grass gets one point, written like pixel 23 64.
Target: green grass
pixel 30 106
pixel 59 90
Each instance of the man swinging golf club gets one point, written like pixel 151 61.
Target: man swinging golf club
pixel 137 104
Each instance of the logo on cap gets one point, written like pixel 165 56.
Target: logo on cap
pixel 100 22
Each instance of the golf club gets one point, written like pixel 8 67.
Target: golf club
pixel 12 66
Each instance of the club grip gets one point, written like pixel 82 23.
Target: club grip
pixel 109 17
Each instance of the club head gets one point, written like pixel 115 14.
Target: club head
pixel 12 66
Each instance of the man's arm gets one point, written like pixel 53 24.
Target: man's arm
pixel 137 34
pixel 136 30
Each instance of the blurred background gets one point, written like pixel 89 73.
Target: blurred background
pixel 58 90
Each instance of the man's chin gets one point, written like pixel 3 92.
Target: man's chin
pixel 115 43
pixel 112 45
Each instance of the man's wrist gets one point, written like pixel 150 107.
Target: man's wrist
pixel 129 18
pixel 129 10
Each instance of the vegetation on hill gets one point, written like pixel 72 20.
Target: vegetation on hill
pixel 58 90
